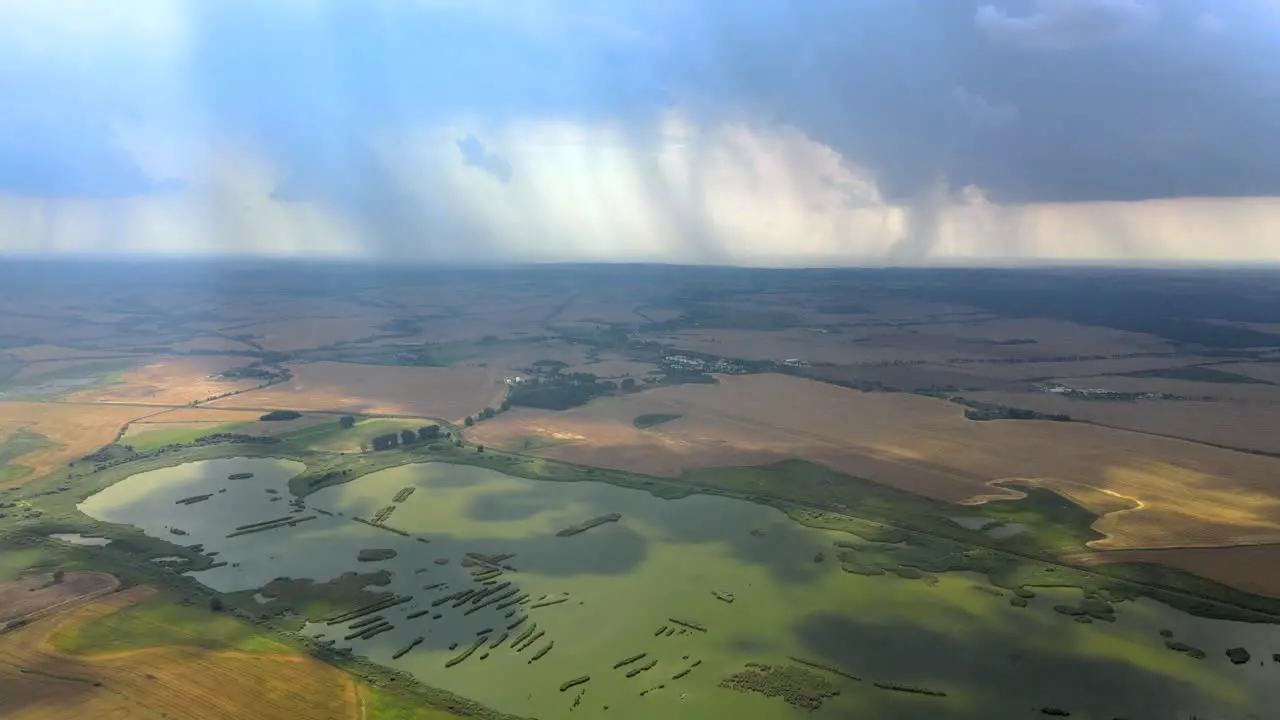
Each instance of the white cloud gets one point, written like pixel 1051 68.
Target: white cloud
pixel 731 193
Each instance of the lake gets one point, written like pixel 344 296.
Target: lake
pixel 666 559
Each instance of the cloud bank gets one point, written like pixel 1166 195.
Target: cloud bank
pixel 826 132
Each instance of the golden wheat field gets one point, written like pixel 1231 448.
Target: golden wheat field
pixel 170 380
pixel 450 393
pixel 77 430
pixel 1180 493
pixel 39 683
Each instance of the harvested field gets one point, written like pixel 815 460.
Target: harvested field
pixel 311 332
pixel 1270 372
pixel 39 683
pixel 600 310
pixel 78 430
pixel 1182 493
pixel 1237 392
pixel 1248 426
pixel 41 353
pixel 1052 337
pixel 778 345
pixel 913 377
pixel 38 593
pixel 1251 568
pixel 613 368
pixel 211 343
pixel 1075 369
pixel 169 381
pixel 451 393
pixel 192 422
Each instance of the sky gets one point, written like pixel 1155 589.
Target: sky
pixel 770 132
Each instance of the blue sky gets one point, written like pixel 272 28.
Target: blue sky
pixel 699 130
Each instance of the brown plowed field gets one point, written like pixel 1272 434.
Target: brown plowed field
pixel 37 593
pixel 1251 568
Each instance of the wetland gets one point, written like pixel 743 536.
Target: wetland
pixel 473 575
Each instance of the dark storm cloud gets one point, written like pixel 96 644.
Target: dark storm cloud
pixel 1031 100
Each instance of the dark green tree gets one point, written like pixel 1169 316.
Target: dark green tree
pixel 408 437
pixel 469 421
pixel 347 422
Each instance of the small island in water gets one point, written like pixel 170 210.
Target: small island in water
pixel 593 522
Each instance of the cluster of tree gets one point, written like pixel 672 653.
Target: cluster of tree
pixel 277 415
pixel 559 391
pixel 248 372
pixel 391 441
pixel 989 411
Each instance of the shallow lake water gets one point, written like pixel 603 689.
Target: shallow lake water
pixel 663 559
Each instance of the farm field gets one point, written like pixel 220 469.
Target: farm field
pixel 1244 425
pixel 1248 567
pixel 169 381
pixel 1182 493
pixel 450 393
pixel 46 674
pixel 72 431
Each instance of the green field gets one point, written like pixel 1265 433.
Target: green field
pixel 162 620
pixel 152 439
pixel 332 437
pixel 17 445
pixel 385 705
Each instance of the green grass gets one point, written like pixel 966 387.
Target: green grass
pixel 158 438
pixel 384 705
pixel 161 621
pixel 17 445
pixel 18 561
pixel 654 419
pixel 333 437
pixel 1199 373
